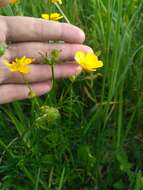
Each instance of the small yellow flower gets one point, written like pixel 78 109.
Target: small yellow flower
pixel 57 1
pixel 52 16
pixel 32 94
pixel 88 61
pixel 12 1
pixel 19 65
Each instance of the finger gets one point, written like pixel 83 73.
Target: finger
pixel 22 29
pixel 35 50
pixel 42 73
pixel 13 92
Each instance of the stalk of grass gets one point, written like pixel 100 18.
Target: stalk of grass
pixel 37 180
pixel 6 148
pixel 61 180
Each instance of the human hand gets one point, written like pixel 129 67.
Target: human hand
pixel 29 37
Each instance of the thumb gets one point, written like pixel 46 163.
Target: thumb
pixel 6 2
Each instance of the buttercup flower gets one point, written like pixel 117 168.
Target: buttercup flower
pixel 57 1
pixel 12 1
pixel 19 65
pixel 88 61
pixel 52 16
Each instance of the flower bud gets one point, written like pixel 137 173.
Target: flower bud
pixel 49 115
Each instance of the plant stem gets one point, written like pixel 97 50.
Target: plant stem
pixel 30 90
pixel 53 77
pixel 62 13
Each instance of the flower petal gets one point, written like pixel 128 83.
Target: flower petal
pixel 79 56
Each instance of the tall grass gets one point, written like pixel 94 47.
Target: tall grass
pixel 97 143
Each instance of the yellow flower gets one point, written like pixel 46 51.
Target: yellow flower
pixel 12 1
pixel 52 16
pixel 32 94
pixel 19 65
pixel 57 1
pixel 88 61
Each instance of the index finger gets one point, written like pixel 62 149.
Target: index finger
pixel 24 29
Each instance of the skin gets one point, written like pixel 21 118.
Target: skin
pixel 30 36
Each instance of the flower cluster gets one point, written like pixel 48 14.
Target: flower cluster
pixel 88 61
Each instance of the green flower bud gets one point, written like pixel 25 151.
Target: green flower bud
pixel 51 59
pixel 2 51
pixel 55 56
pixel 49 115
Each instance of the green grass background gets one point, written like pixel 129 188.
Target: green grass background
pixel 97 144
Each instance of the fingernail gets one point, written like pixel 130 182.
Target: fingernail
pixel 81 36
